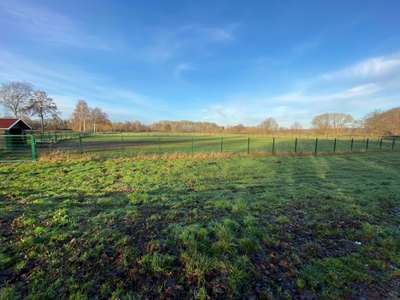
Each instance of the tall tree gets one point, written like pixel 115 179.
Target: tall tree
pixel 386 122
pixel 42 106
pixel 98 117
pixel 335 122
pixel 269 124
pixel 15 96
pixel 80 116
pixel 296 126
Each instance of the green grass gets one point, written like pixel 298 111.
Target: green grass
pixel 134 144
pixel 271 227
pixel 127 144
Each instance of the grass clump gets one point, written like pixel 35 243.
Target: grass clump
pixel 156 263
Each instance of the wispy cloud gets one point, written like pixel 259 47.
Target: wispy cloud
pixel 303 97
pixel 219 34
pixel 252 112
pixel 373 68
pixel 182 68
pixel 169 43
pixel 305 47
pixel 44 24
pixel 365 86
pixel 362 90
pixel 296 106
pixel 67 84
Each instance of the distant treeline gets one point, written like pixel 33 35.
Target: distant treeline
pixel 22 101
pixel 333 124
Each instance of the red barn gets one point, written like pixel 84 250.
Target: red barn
pixel 13 126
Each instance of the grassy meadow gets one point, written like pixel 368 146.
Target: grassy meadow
pixel 131 144
pixel 312 227
pixel 117 145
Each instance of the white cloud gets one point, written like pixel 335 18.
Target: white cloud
pixel 67 84
pixel 302 97
pixel 252 112
pixel 361 90
pixel 298 105
pixel 370 84
pixel 372 68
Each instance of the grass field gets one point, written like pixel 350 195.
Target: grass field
pixel 138 144
pixel 124 145
pixel 273 227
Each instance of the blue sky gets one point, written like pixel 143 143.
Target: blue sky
pixel 228 62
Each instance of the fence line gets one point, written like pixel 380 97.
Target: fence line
pixel 30 146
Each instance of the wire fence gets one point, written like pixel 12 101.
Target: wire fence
pixel 17 148
pixel 31 146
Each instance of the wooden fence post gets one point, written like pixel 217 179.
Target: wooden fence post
pixel 80 143
pixel 273 145
pixel 248 145
pixel 316 146
pixel 334 146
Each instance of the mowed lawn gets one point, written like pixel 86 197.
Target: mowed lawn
pixel 267 228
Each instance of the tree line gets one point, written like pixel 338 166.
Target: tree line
pixel 21 100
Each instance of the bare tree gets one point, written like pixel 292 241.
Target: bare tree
pixel 386 122
pixel 240 128
pixel 97 116
pixel 185 126
pixel 80 116
pixel 296 126
pixel 269 125
pixel 15 96
pixel 42 106
pixel 335 122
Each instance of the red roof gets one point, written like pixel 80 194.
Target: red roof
pixel 8 123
